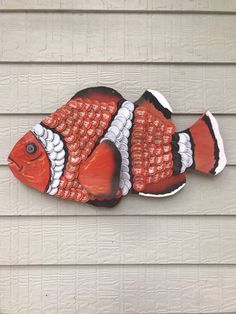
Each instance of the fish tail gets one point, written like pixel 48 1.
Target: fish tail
pixel 201 146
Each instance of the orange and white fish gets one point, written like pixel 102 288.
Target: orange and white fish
pixel 99 147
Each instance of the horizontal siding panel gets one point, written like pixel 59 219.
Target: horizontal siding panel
pixel 41 88
pixel 12 127
pixel 18 199
pixel 117 37
pixel 118 289
pixel 118 240
pixel 159 5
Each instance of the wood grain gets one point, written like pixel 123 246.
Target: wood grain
pixel 118 289
pixel 118 240
pixel 134 5
pixel 202 195
pixel 41 88
pixel 12 127
pixel 117 37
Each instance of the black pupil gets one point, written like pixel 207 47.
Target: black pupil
pixel 31 148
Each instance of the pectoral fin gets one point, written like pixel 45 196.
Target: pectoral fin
pixel 100 173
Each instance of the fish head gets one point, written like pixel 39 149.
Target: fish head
pixel 67 154
pixel 29 162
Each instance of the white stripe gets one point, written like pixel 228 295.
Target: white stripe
pixel 119 133
pixel 222 157
pixel 163 195
pixel 54 148
pixel 185 151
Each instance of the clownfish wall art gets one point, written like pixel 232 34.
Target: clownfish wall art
pixel 99 147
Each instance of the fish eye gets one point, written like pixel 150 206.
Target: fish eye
pixel 31 148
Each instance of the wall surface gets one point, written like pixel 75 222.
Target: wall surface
pixel 146 256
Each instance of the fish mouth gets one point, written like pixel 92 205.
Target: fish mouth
pixel 13 164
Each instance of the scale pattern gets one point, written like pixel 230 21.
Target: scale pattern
pixel 151 149
pixel 81 123
pixel 185 151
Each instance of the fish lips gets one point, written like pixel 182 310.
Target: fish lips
pixel 15 167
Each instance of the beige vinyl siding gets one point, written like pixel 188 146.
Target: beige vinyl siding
pixel 123 5
pixel 118 289
pixel 192 88
pixel 118 240
pixel 117 37
pixel 146 256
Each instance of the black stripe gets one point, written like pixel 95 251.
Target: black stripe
pixel 177 164
pixel 207 120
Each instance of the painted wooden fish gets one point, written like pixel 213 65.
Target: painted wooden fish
pixel 99 147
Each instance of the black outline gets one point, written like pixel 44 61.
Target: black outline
pixel 105 203
pixel 149 96
pixel 116 175
pixel 207 120
pixel 168 190
pixel 97 89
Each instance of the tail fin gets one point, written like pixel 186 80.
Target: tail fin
pixel 200 147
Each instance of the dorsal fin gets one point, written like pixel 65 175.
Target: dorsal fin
pixel 100 93
pixel 100 173
pixel 158 100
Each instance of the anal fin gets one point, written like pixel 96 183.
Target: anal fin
pixel 165 187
